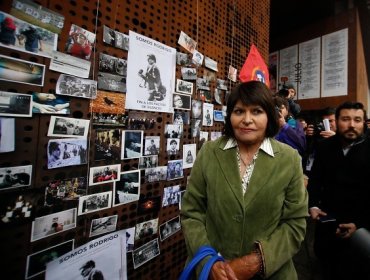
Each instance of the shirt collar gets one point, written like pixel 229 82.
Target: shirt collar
pixel 265 146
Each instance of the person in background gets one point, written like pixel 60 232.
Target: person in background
pixel 288 92
pixel 33 40
pixel 255 219
pixel 339 187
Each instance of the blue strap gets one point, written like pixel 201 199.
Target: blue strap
pixel 207 267
pixel 202 252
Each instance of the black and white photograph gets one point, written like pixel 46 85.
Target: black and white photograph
pixel 218 116
pixel 50 103
pixel 107 144
pixel 53 224
pixel 207 114
pixel 197 58
pixel 66 152
pixel 169 228
pixel 203 83
pixel 195 126
pixel 148 162
pixel 130 239
pixel 65 189
pixel 132 144
pixel 21 71
pixel 175 169
pixel 109 35
pixel 22 36
pixel 38 15
pixel 181 195
pixel 203 136
pixel 80 42
pixel 219 96
pixel 76 87
pixel 146 229
pixel 18 208
pixel 115 39
pixel 184 59
pixel 145 253
pixel 189 153
pixel 71 65
pixel 173 146
pixel 181 117
pixel 188 73
pixel 15 177
pixel 215 135
pixel 184 87
pixel 111 82
pixel 173 131
pixel 187 42
pixel 152 145
pixel 101 258
pixel 107 119
pixel 104 174
pixel 210 63
pixel 127 189
pixel 232 74
pixel 196 109
pixel 221 84
pixel 181 101
pixel 150 74
pixel 103 225
pixel 209 75
pixel 15 104
pixel 141 120
pixel 94 202
pixel 36 262
pixel 147 205
pixel 112 65
pixel 7 135
pixel 156 174
pixel 68 127
pixel 170 195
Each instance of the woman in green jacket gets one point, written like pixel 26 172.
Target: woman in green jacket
pixel 246 196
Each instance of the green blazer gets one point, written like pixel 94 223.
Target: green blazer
pixel 272 212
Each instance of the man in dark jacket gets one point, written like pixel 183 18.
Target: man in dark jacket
pixel 339 187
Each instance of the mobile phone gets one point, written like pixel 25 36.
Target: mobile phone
pixel 327 219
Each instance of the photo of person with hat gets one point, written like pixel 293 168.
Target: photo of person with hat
pixel 89 272
pixel 152 80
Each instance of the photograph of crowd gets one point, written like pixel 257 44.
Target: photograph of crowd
pixel 94 202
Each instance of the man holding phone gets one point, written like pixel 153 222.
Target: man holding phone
pixel 339 192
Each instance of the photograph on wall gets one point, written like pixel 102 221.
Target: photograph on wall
pixel 21 71
pixel 203 83
pixel 219 96
pixel 184 87
pixel 181 195
pixel 76 87
pixel 104 174
pixel 208 114
pixel 105 256
pixel 107 144
pixel 68 127
pixel 94 202
pixel 111 82
pixel 36 262
pixel 173 131
pixel 196 109
pixel 141 120
pixel 7 135
pixel 108 102
pixel 15 177
pixel 112 65
pixel 149 205
pixel 127 189
pixel 130 239
pixel 103 225
pixel 195 127
pixel 218 116
pixel 148 162
pixel 187 42
pixel 65 189
pixel 150 74
pixel 66 152
pixel 170 195
pixel 232 73
pixel 68 64
pixel 209 75
pixel 181 117
pixel 221 84
pixel 80 42
pixel 181 101
pixel 210 63
pixel 152 145
pixel 189 153
pixel 22 36
pixel 184 59
pixel 169 228
pixel 145 253
pixel 173 146
pixel 132 144
pixel 175 169
pixel 146 229
pixel 203 136
pixel 156 174
pixel 197 58
pixel 205 95
pixel 50 103
pixel 188 73
pixel 53 224
pixel 115 39
pixel 15 104
pixel 109 120
pixel 215 135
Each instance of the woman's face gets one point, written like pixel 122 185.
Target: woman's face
pixel 177 101
pixel 249 123
pixel 196 109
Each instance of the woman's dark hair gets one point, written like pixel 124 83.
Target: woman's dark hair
pixel 253 93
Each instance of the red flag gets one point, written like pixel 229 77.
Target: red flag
pixel 254 68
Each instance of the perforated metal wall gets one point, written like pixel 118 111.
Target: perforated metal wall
pixel 224 31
